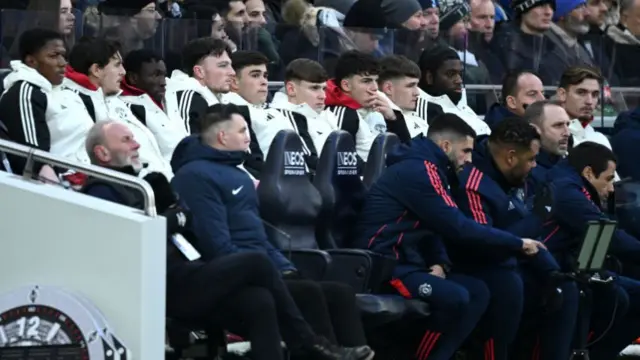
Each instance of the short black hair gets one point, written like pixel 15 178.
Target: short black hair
pixel 353 63
pixel 593 155
pixel 200 48
pixel 33 40
pixel 534 114
pixel 242 59
pixel 397 66
pixel 217 114
pixel 134 60
pixel 513 131
pixel 450 123
pixel 305 70
pixel 510 83
pixel 92 50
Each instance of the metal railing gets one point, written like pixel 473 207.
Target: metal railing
pixel 34 155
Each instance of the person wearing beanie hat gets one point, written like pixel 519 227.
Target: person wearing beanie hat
pixel 431 15
pixel 131 22
pixel 570 23
pixel 453 12
pixel 403 13
pixel 365 25
pixel 521 7
pixel 565 7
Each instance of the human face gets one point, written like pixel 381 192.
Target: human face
pixel 597 12
pixel 365 42
pixel 415 22
pixel 576 22
pixel 110 77
pixel 215 72
pixel 432 21
pixel 537 20
pixel 580 100
pixel 146 21
pixel 458 34
pixel 483 18
pixel 67 19
pixel 403 92
pixel 458 151
pixel 448 77
pixel 234 135
pixel 529 90
pixel 49 61
pixel 603 183
pixel 554 130
pixel 120 149
pixel 305 92
pixel 630 18
pixel 520 162
pixel 152 79
pixel 256 13
pixel 362 88
pixel 217 28
pixel 237 15
pixel 252 84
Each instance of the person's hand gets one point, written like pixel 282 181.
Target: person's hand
pixel 48 174
pixel 531 247
pixel 380 104
pixel 438 271
pixel 291 275
pixel 543 201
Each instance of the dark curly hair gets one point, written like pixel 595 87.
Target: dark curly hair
pixel 515 132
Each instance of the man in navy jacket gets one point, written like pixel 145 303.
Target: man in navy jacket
pixel 492 192
pixel 581 182
pixel 226 220
pixel 409 213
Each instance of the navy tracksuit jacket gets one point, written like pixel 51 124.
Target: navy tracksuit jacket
pixel 576 203
pixel 486 196
pixel 408 214
pixel 497 112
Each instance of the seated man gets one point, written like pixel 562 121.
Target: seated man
pixel 582 182
pixel 409 213
pixel 250 88
pixel 520 89
pixel 226 220
pixel 144 88
pixel 492 192
pixel 241 292
pixel 398 80
pixel 36 110
pixel 305 83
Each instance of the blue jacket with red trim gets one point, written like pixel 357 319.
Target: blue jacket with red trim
pixel 538 175
pixel 485 195
pixel 409 210
pixel 577 203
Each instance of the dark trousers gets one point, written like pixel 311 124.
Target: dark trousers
pixel 243 293
pixel 330 309
pixel 457 304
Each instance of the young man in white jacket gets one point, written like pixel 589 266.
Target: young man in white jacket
pixel 95 70
pixel 145 85
pixel 250 89
pixel 36 110
pixel 398 81
pixel 441 88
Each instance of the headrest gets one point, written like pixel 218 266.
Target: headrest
pixel 376 162
pixel 338 158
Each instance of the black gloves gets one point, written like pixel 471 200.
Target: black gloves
pixel 177 219
pixel 543 201
pixel 164 195
pixel 292 275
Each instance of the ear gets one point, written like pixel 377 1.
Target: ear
pixel 235 85
pixel 428 77
pixel 95 71
pixel 535 126
pixel 510 102
pixel 102 153
pixel 587 173
pixel 30 61
pixel 512 157
pixel 446 146
pixel 290 88
pixel 198 72
pixel 561 94
pixel 345 85
pixel 132 79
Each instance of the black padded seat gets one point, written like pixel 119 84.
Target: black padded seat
pixel 377 160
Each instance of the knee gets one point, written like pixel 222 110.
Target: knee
pixel 455 302
pixel 257 301
pixel 305 288
pixel 479 294
pixel 570 294
pixel 259 261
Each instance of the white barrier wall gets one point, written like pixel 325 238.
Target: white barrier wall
pixel 113 255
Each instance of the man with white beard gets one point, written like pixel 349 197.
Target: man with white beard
pixel 570 21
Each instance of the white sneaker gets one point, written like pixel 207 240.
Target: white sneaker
pixel 631 350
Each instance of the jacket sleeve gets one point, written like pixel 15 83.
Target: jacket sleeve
pixel 419 188
pixel 104 192
pixel 434 252
pixel 192 106
pixel 399 127
pixel 209 214
pixel 573 209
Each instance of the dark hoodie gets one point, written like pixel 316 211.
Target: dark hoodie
pixel 489 198
pixel 223 201
pixel 626 137
pixel 410 209
pixel 496 114
pixel 577 203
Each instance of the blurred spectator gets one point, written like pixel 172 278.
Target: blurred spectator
pixel 145 85
pixel 594 40
pixel 304 95
pixel 398 81
pixel 234 13
pixel 482 25
pixel 441 88
pixel 256 15
pixel 431 14
pixel 170 8
pixel 625 140
pixel 623 43
pixel 36 110
pixel 482 18
pixel 130 22
pixel 342 6
pixel 519 90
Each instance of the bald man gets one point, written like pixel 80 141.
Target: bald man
pixel 482 19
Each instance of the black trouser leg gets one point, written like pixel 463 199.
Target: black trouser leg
pixel 310 299
pixel 344 313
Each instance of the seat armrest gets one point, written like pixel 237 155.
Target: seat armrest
pixel 381 271
pixel 312 264
pixel 351 266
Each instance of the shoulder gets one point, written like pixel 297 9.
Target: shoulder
pixel 103 191
pixel 24 91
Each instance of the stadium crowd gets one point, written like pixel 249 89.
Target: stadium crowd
pixel 372 146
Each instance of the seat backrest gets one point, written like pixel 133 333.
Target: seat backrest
pixel 289 203
pixel 341 190
pixel 376 161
